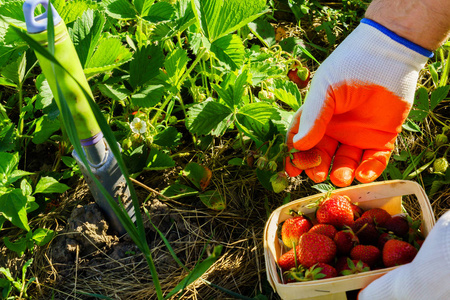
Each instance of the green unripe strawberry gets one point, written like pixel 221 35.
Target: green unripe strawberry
pixel 429 155
pixel 441 139
pixel 279 182
pixel 440 165
pixel 173 120
pixel 127 144
pixel 262 162
pixel 272 165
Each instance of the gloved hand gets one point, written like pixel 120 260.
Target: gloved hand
pixel 357 103
pixel 426 277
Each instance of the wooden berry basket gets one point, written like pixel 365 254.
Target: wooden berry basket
pixel 386 195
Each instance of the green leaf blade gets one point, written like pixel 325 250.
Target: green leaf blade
pixel 205 116
pixel 229 50
pixel 145 65
pixel 13 208
pixel 49 185
pixel 109 54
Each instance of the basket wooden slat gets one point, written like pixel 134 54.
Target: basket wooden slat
pixel 386 194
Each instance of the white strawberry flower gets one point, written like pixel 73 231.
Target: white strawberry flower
pixel 138 126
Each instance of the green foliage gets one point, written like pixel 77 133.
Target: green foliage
pixel 8 284
pixel 16 202
pixel 193 72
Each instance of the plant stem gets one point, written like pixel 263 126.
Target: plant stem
pixel 20 109
pixel 153 271
pixel 445 71
pixel 181 80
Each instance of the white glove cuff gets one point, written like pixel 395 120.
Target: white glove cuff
pixel 399 39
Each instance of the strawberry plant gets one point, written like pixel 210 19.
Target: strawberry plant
pixel 198 94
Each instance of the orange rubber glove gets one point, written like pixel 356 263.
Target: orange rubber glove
pixel 359 98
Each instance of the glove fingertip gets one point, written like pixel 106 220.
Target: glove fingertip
pixel 369 170
pixel 342 177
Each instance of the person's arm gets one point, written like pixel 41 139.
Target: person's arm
pixel 424 22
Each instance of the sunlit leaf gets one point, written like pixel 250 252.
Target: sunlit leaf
pixel 175 65
pixel 229 50
pixel 44 129
pixel 13 208
pixel 169 137
pixel 232 93
pixel 12 12
pixel 289 94
pixel 110 54
pixel 19 246
pixel 205 116
pixel 253 119
pixel 158 160
pixel 8 163
pixel 264 31
pixel 218 18
pixel 45 96
pixel 143 6
pixel 159 11
pixel 114 93
pixel 119 9
pixel 85 34
pixel 49 185
pixel 198 174
pixel 145 65
pixel 74 9
pixel 178 190
pixel 149 96
pixel 438 95
pixel 42 236
pixel 15 71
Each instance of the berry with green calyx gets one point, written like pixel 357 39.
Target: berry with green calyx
pixel 441 139
pixel 440 165
pixel 279 182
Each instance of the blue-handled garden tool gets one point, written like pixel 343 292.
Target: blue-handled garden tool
pixel 101 160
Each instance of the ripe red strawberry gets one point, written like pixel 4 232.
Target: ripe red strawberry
pixel 316 272
pixel 345 241
pixel 398 225
pixel 384 237
pixel 287 260
pixel 378 215
pixel 397 252
pixel 292 229
pixel 366 231
pixel 325 229
pixel 320 271
pixel 367 253
pixel 414 232
pixel 357 211
pixel 314 248
pixel 300 77
pixel 341 263
pixel 306 159
pixel 336 211
pixel 354 267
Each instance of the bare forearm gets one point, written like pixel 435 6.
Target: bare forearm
pixel 424 22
